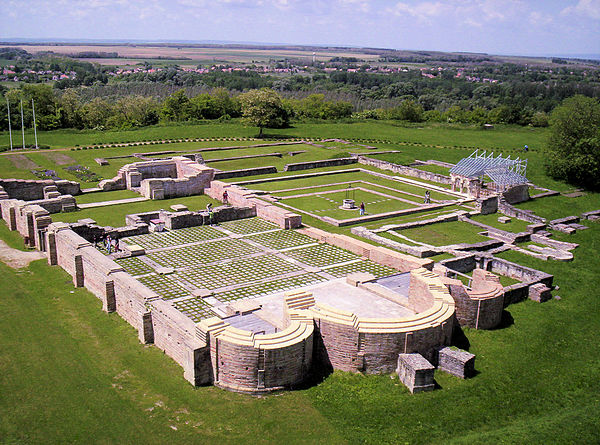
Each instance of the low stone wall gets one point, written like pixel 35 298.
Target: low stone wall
pixel 175 334
pixel 404 170
pixel 28 218
pixel 381 255
pixel 418 251
pixel 163 178
pixel 525 215
pixel 319 164
pixel 30 190
pixel 513 293
pixel 117 290
pixel 245 172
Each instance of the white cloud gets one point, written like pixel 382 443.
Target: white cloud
pixel 539 18
pixel 466 12
pixel 586 8
pixel 421 11
pixel 356 5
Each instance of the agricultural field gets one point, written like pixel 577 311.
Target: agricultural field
pixel 192 55
pixel 537 373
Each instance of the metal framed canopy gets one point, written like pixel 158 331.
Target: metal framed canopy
pixel 502 171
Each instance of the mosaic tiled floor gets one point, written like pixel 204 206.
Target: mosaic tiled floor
pixel 361 266
pixel 134 266
pixel 271 286
pixel 321 255
pixel 237 271
pixel 281 239
pixel 194 308
pixel 174 237
pixel 248 225
pixel 208 252
pixel 164 285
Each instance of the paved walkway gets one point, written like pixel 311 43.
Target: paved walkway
pixel 90 205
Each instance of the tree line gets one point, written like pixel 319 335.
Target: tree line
pixel 68 110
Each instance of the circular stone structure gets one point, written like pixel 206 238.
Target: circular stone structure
pixel 348 204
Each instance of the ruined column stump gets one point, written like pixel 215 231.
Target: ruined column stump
pixel 540 292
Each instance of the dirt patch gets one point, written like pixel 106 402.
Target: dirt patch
pixel 22 162
pixel 17 258
pixel 60 158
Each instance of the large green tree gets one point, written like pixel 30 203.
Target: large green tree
pixel 573 150
pixel 263 109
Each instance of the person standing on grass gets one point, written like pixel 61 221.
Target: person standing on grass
pixel 362 208
pixel 427 197
pixel 225 197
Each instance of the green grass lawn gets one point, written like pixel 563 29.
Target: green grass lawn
pixel 328 204
pixel 114 215
pixel 106 196
pixel 446 233
pixel 515 225
pixel 554 207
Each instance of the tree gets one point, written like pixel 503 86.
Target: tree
pixel 573 149
pixel 263 109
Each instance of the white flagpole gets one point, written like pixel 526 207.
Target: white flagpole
pixel 22 124
pixel 9 128
pixel 34 127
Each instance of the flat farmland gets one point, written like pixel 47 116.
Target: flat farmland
pixel 192 53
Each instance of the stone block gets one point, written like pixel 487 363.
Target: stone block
pixel 133 249
pixel 456 362
pixel 540 292
pixel 101 161
pixel 164 270
pixel 179 208
pixel 504 219
pixel 415 372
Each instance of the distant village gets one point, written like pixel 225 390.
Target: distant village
pixel 10 74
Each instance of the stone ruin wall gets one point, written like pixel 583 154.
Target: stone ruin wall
pixel 482 306
pixel 513 293
pixel 89 268
pixel 163 178
pixel 404 170
pixel 240 197
pixel 31 190
pixel 27 219
pixel 256 363
pixel 350 343
pixel 175 334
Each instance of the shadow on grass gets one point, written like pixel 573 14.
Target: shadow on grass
pixel 506 321
pixel 459 339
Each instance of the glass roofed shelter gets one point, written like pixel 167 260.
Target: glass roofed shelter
pixel 504 172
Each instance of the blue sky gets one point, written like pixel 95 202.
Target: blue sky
pixel 491 26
